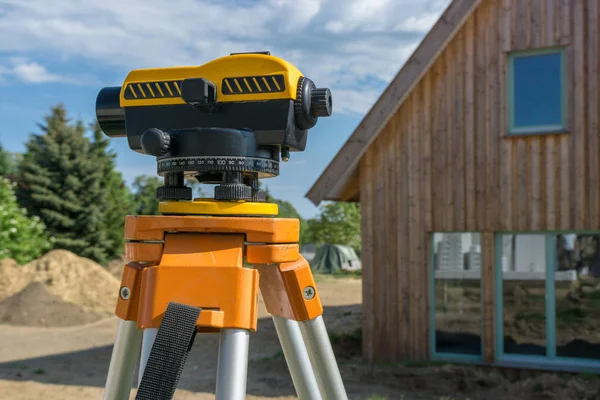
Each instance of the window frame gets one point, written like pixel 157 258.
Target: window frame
pixel 551 360
pixel 443 356
pixel 539 129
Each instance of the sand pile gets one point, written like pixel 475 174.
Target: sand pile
pixel 36 306
pixel 70 278
pixel 10 277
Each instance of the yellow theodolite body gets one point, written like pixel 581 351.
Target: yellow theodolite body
pixel 226 122
pixel 241 77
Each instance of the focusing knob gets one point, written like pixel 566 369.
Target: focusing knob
pixel 311 103
pixel 320 102
pixel 302 106
pixel 155 142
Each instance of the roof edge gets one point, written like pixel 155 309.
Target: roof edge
pixel 343 165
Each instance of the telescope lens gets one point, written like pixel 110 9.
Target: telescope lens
pixel 109 113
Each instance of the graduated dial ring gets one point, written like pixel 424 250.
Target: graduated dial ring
pixel 227 164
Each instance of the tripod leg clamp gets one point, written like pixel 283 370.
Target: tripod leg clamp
pixel 169 353
pixel 289 290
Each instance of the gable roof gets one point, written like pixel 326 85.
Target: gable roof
pixel 343 166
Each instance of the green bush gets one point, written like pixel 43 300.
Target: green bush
pixel 22 238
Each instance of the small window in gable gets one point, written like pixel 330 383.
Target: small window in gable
pixel 536 91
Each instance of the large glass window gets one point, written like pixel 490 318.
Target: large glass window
pixel 548 296
pixel 523 294
pixel 536 91
pixel 577 295
pixel 456 318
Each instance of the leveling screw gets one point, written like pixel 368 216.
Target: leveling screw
pixel 309 292
pixel 125 293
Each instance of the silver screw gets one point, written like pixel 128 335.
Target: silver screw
pixel 125 293
pixel 309 292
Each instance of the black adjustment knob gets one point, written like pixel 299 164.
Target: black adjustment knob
pixel 321 103
pixel 155 142
pixel 258 196
pixel 233 191
pixel 167 193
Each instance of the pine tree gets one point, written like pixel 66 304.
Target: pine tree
pixel 62 182
pixel 117 199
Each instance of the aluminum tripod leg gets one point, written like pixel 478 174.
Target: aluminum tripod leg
pixel 232 367
pixel 147 342
pixel 297 358
pixel 322 359
pixel 123 361
pixel 289 291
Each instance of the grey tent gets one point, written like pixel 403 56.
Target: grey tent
pixel 335 257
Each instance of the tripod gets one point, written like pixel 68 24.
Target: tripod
pixel 188 276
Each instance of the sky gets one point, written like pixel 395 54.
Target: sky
pixel 65 51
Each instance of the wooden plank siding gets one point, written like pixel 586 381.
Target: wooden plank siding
pixel 444 163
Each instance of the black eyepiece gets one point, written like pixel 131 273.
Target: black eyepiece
pixel 109 113
pixel 321 103
pixel 311 103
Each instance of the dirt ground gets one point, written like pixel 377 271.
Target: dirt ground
pixel 71 362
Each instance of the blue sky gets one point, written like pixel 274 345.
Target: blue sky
pixel 65 51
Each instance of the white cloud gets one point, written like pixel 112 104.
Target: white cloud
pixel 352 46
pixel 418 24
pixel 384 15
pixel 34 73
pixel 355 101
pixel 27 71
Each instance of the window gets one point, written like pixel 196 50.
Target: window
pixel 456 293
pixel 548 297
pixel 577 295
pixel 523 273
pixel 536 91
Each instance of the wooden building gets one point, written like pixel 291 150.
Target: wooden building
pixel 478 175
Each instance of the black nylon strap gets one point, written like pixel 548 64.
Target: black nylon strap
pixel 169 353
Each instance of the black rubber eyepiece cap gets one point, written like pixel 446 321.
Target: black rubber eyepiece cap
pixel 321 103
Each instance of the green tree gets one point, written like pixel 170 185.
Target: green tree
pixel 117 199
pixel 62 180
pixel 144 194
pixel 337 223
pixel 22 238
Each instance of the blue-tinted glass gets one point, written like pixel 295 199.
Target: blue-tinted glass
pixel 537 90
